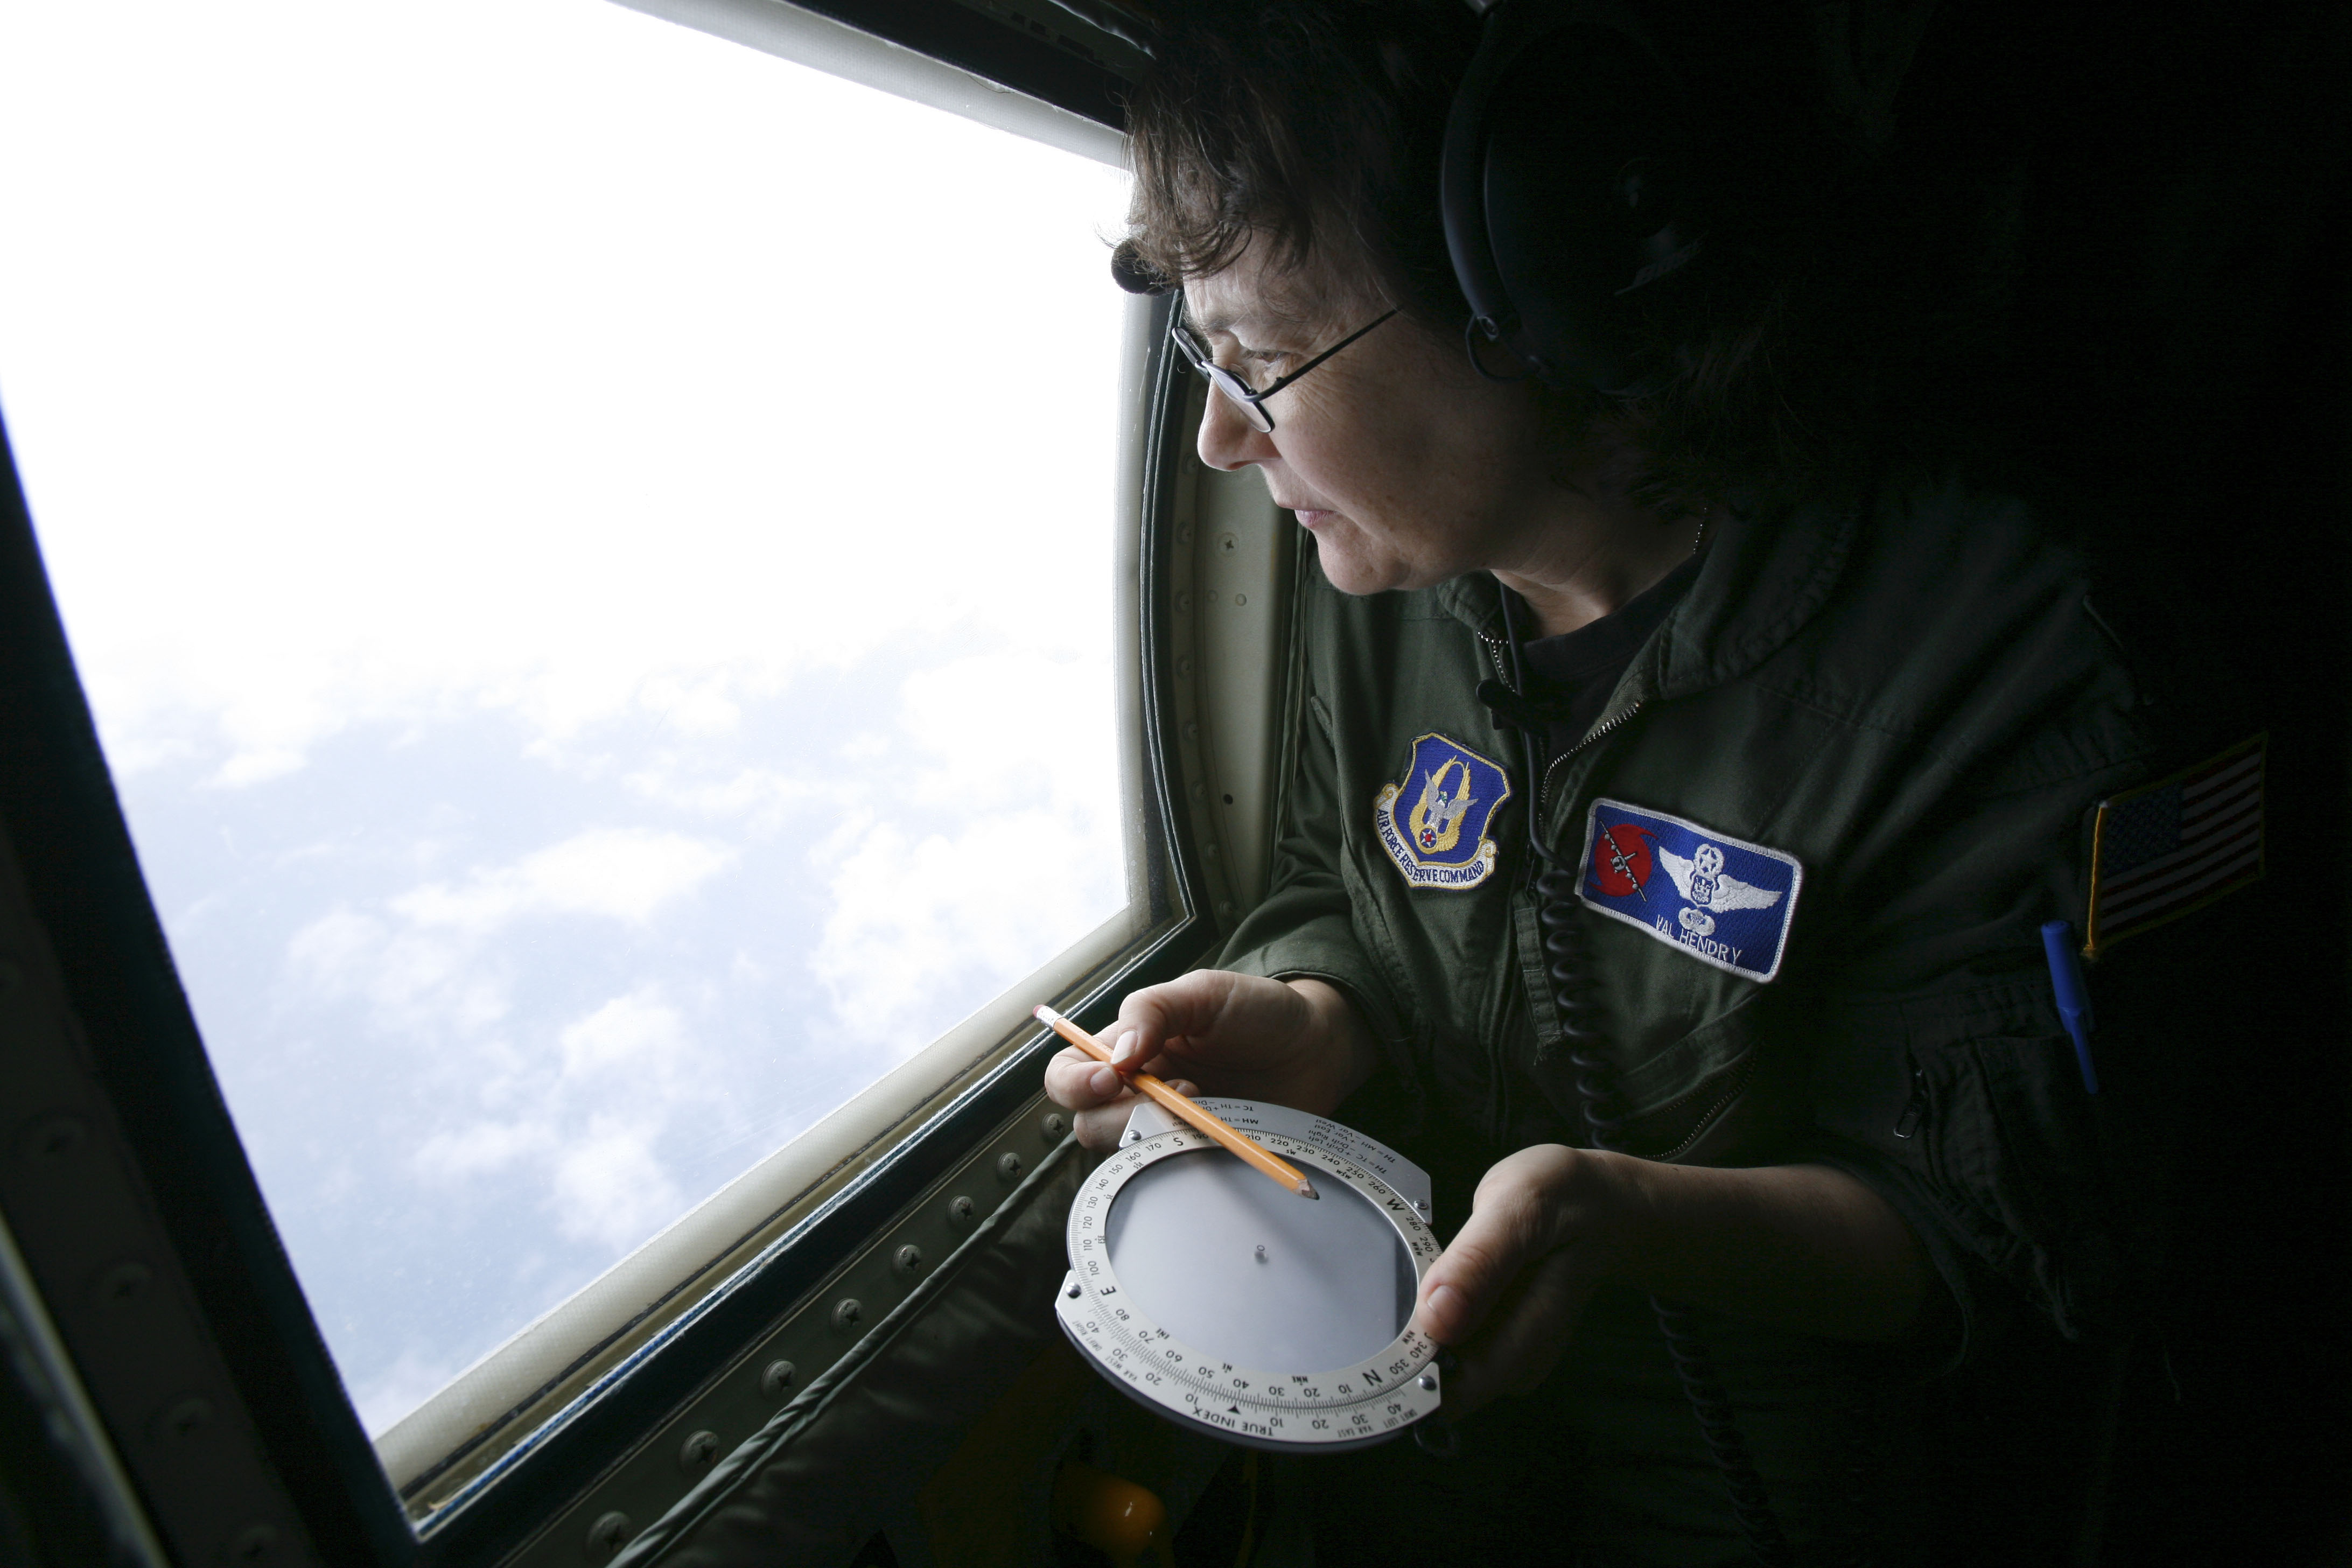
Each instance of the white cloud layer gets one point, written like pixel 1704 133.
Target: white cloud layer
pixel 622 873
pixel 594 679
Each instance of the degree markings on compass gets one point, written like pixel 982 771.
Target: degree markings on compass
pixel 1114 1343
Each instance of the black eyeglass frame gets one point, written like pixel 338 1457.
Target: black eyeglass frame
pixel 1251 400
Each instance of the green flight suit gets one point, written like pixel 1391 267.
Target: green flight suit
pixel 1910 694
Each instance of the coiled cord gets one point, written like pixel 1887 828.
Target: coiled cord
pixel 1596 1087
pixel 1864 1468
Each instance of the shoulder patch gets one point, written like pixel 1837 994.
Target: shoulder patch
pixel 2164 849
pixel 1434 824
pixel 1721 899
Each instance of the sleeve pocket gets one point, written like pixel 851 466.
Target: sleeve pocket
pixel 2000 1142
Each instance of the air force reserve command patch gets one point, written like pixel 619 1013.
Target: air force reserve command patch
pixel 1435 824
pixel 1723 901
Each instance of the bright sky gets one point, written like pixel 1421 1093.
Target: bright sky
pixel 577 534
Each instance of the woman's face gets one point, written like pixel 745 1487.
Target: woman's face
pixel 1406 466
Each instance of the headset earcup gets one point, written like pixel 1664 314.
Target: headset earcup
pixel 1573 128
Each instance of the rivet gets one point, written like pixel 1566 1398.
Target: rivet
pixel 907 1261
pixel 1199 789
pixel 776 1379
pixel 1183 602
pixel 182 1418
pixel 1191 732
pixel 1210 849
pixel 1210 597
pixel 1072 1289
pixel 254 1544
pixel 1240 599
pixel 1429 1383
pixel 1225 907
pixel 845 1315
pixel 1228 543
pixel 960 1210
pixel 52 1136
pixel 608 1535
pixel 120 1282
pixel 1008 1169
pixel 1053 1126
pixel 698 1452
pixel 1184 534
pixel 1184 665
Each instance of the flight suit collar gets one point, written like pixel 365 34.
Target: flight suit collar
pixel 1769 570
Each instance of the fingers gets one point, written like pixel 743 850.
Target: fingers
pixel 1503 1234
pixel 1151 1019
pixel 1100 1129
pixel 1211 1012
pixel 1525 1335
pixel 1076 1082
pixel 1096 1099
pixel 1208 1023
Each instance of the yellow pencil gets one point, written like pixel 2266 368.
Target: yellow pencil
pixel 1282 1170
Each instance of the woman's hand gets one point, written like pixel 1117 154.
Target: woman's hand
pixel 1296 1042
pixel 1805 1247
pixel 1547 1225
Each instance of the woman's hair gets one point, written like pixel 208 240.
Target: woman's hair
pixel 1837 281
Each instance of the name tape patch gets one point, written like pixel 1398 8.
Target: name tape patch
pixel 1721 899
pixel 1434 824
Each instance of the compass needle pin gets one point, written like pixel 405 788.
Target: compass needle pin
pixel 1275 1168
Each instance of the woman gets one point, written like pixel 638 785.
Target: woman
pixel 1810 737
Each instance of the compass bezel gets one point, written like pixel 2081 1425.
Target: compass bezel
pixel 1328 1409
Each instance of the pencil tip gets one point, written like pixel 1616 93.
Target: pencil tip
pixel 1306 1190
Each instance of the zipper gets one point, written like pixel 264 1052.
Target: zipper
pixel 1599 732
pixel 1913 1108
pixel 1738 1086
pixel 1494 651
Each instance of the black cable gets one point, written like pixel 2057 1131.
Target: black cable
pixel 1596 1087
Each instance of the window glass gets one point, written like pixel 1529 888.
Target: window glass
pixel 591 551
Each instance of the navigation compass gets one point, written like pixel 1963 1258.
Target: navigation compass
pixel 1210 1294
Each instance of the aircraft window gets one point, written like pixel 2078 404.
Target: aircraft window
pixel 591 552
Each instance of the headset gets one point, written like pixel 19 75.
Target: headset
pixel 1565 188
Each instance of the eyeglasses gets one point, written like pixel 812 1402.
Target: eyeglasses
pixel 1251 400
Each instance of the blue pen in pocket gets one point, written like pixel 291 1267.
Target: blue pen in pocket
pixel 2073 995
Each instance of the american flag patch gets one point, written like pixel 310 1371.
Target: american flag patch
pixel 2165 848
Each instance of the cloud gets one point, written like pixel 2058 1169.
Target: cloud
pixel 257 766
pixel 622 873
pixel 632 1034
pixel 588 1146
pixel 759 800
pixel 484 1148
pixel 411 980
pixel 608 1186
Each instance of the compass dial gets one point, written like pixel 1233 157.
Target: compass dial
pixel 1208 1292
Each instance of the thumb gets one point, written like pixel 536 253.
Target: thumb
pixel 1498 1240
